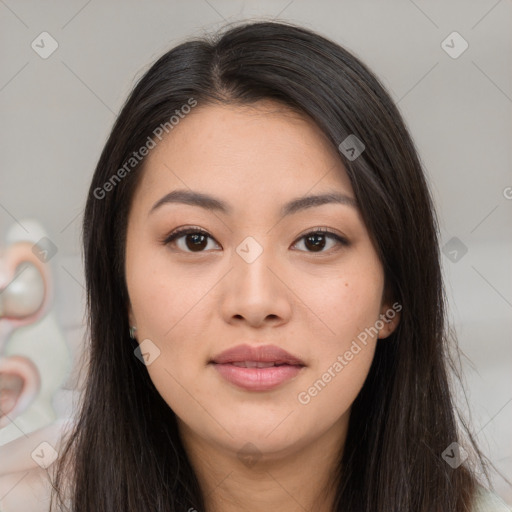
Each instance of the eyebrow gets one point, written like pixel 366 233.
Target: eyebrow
pixel 208 202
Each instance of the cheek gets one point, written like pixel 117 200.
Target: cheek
pixel 343 306
pixel 172 309
pixel 161 296
pixel 331 393
pixel 347 309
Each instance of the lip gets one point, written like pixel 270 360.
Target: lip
pixel 253 378
pixel 263 354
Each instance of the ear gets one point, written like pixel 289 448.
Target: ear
pixel 389 318
pixel 131 317
pixel 19 384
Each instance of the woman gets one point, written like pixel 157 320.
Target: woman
pixel 266 312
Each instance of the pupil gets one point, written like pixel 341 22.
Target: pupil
pixel 317 245
pixel 199 241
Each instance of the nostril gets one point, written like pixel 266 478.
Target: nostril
pixel 24 294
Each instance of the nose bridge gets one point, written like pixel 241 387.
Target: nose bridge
pixel 254 291
pixel 251 265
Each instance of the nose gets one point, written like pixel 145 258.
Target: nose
pixel 257 292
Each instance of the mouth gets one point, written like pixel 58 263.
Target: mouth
pixel 257 364
pixel 261 368
pixel 250 355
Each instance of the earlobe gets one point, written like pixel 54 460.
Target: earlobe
pixel 131 323
pixel 389 319
pixel 131 318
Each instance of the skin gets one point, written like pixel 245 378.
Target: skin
pixel 193 305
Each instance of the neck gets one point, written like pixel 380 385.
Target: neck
pixel 296 479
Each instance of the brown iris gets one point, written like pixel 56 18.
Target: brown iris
pixel 315 242
pixel 198 241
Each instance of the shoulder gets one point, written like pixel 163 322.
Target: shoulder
pixel 486 501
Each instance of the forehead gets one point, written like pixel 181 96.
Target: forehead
pixel 254 152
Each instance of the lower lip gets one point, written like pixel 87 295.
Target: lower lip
pixel 257 379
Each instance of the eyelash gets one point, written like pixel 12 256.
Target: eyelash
pixel 180 232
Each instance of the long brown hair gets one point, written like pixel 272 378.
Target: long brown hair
pixel 125 453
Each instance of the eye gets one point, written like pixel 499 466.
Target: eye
pixel 316 240
pixel 195 239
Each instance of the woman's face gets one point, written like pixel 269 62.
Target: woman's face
pixel 259 276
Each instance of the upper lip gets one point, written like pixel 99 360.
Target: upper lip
pixel 261 353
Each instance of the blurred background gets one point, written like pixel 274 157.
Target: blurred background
pixel 67 67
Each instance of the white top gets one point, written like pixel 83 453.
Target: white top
pixel 487 501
